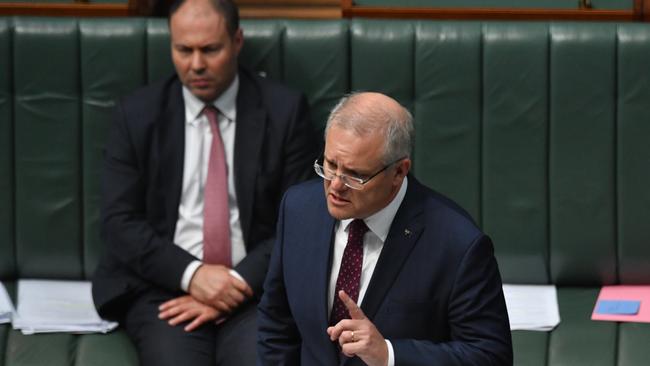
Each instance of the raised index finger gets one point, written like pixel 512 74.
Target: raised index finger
pixel 355 311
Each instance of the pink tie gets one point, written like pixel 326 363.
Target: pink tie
pixel 216 216
pixel 350 273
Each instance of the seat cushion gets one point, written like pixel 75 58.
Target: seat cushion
pixel 68 349
pixel 578 340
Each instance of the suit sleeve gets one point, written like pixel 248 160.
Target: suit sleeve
pixel 478 321
pixel 299 151
pixel 278 339
pixel 126 227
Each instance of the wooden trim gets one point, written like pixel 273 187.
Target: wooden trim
pixel 487 13
pixel 141 7
pixel 69 9
pixel 332 9
pixel 312 12
pixel 638 9
pixel 299 3
pixel 302 9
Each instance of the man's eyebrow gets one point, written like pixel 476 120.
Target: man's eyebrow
pixel 350 172
pixel 212 45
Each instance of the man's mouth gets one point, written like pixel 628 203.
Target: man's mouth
pixel 200 83
pixel 336 199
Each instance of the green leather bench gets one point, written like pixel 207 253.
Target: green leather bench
pixel 538 129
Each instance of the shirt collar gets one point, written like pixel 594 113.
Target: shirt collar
pixel 226 103
pixel 379 222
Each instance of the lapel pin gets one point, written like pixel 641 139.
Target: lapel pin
pixel 407 232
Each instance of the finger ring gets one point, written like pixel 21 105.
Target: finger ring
pixel 352 333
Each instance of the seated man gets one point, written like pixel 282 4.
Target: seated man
pixel 378 269
pixel 195 170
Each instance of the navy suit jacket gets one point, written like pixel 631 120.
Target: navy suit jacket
pixel 143 174
pixel 435 293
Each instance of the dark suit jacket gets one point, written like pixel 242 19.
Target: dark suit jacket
pixel 142 182
pixel 435 293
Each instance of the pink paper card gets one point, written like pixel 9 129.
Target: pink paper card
pixel 629 293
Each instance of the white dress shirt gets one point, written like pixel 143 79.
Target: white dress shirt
pixel 198 139
pixel 373 242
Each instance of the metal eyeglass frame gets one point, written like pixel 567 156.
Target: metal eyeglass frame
pixel 357 183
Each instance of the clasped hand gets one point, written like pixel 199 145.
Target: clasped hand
pixel 214 293
pixel 358 336
pixel 213 285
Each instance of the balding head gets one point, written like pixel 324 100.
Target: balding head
pixel 226 8
pixel 369 113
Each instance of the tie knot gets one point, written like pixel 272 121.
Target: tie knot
pixel 358 228
pixel 211 112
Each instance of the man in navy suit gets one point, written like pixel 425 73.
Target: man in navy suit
pixel 160 161
pixel 378 269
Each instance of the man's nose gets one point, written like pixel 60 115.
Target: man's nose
pixel 337 183
pixel 198 63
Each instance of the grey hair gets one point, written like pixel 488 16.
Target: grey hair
pixel 396 125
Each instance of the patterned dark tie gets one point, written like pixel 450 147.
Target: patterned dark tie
pixel 216 214
pixel 350 272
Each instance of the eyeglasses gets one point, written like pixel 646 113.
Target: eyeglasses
pixel 349 181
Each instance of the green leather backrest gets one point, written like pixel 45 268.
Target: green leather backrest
pixel 7 247
pixel 47 138
pixel 112 54
pixel 633 153
pixel 310 56
pixel 582 127
pixel 158 63
pixel 317 62
pixel 514 154
pixel 538 129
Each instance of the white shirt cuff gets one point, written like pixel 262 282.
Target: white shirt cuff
pixel 188 274
pixel 237 276
pixel 191 269
pixel 391 354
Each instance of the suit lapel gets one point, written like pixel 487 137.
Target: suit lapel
pixel 321 268
pixel 321 272
pixel 404 233
pixel 171 144
pixel 249 135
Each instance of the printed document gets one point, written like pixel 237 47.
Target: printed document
pixel 532 307
pixel 57 306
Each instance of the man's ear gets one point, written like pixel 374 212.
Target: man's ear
pixel 238 39
pixel 402 169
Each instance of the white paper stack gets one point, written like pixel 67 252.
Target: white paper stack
pixel 532 307
pixel 46 306
pixel 6 307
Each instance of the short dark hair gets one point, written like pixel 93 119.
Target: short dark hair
pixel 226 8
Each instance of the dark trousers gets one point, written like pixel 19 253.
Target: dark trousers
pixel 231 343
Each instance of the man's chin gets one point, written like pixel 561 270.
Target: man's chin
pixel 205 95
pixel 339 213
